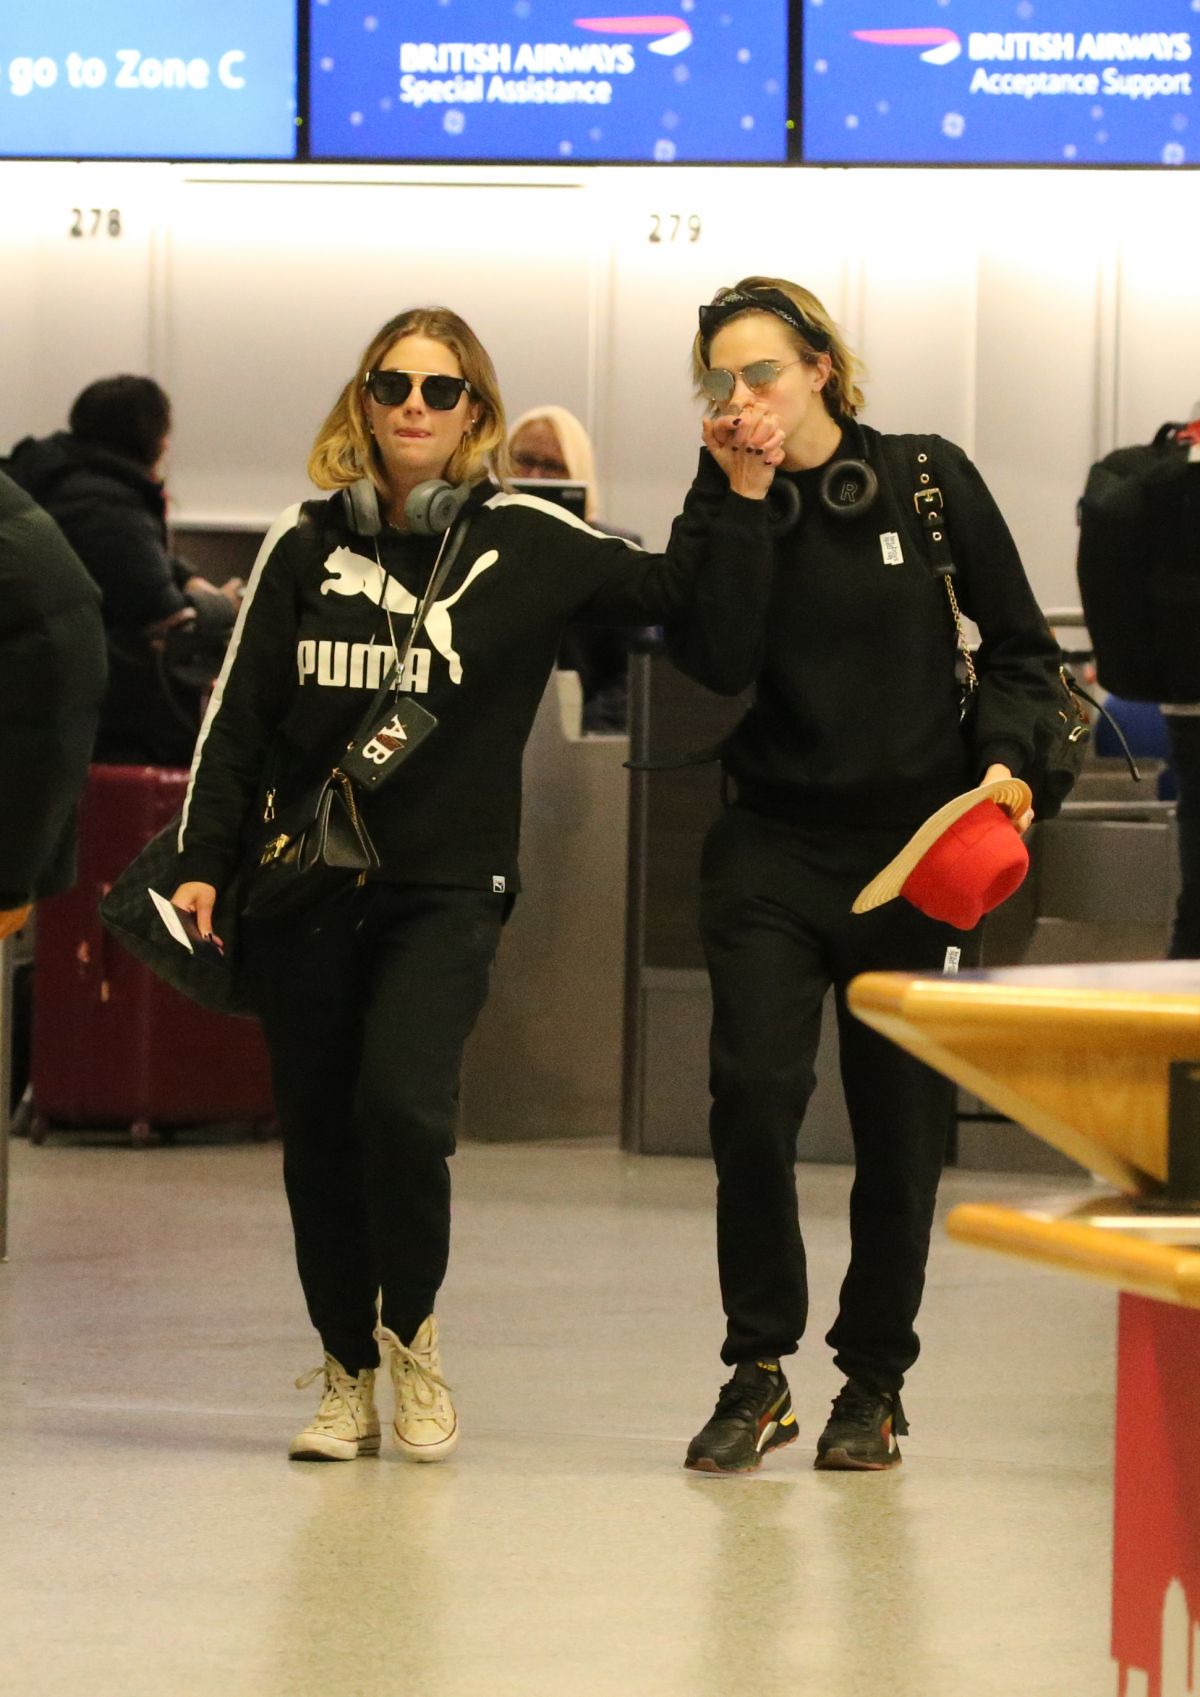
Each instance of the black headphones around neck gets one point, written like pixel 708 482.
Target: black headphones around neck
pixel 847 489
pixel 430 509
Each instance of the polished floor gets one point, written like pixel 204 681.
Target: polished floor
pixel 154 1539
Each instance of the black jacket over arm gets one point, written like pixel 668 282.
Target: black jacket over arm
pixel 51 686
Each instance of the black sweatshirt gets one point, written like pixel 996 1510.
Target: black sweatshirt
pixel 312 645
pixel 856 716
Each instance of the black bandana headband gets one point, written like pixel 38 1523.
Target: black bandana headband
pixel 730 302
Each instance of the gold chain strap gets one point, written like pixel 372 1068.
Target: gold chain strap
pixel 963 648
pixel 346 786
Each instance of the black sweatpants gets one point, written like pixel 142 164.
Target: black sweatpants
pixel 778 932
pixel 366 1003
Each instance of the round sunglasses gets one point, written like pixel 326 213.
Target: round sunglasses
pixel 718 385
pixel 392 388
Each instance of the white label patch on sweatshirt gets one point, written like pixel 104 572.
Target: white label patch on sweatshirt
pixel 889 542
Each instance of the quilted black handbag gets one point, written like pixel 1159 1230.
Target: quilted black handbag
pixel 326 848
pixel 130 914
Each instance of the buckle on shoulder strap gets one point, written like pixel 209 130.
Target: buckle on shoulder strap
pixel 923 498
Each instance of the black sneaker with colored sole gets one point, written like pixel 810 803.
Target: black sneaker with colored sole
pixel 753 1415
pixel 860 1434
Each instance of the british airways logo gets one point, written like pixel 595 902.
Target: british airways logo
pixel 938 46
pixel 674 34
pixel 615 57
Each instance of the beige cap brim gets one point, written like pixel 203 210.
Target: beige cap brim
pixel 1011 794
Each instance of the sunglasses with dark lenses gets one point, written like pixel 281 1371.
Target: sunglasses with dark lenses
pixel 392 388
pixel 718 385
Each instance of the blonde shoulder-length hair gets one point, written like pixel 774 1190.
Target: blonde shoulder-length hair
pixel 842 395
pixel 574 444
pixel 345 450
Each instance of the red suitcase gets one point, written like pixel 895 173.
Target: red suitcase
pixel 113 1044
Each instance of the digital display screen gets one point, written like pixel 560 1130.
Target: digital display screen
pixel 1015 82
pixel 548 80
pixel 148 79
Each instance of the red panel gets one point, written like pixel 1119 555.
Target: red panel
pixel 1156 1547
pixel 111 1042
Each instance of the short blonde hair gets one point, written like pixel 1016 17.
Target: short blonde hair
pixel 574 444
pixel 345 450
pixel 841 393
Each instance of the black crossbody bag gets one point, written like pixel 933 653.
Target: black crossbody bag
pixel 318 843
pixel 1061 728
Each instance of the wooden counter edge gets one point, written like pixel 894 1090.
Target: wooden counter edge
pixel 894 1005
pixel 921 999
pixel 1159 1270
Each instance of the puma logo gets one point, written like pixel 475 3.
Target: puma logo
pixel 353 574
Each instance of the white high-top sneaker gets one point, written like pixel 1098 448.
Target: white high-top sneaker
pixel 426 1426
pixel 346 1424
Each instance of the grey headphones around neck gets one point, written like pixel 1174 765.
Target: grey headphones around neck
pixel 430 509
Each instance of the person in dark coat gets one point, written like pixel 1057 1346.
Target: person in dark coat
pixel 52 674
pixel 166 626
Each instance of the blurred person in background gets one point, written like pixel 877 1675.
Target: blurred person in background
pixel 550 442
pixel 166 627
pixel 51 686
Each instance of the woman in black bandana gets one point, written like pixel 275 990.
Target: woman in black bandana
pixel 853 740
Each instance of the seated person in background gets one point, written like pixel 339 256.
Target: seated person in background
pixel 51 686
pixel 550 442
pixel 166 627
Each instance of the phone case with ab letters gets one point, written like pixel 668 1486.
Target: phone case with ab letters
pixel 401 727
